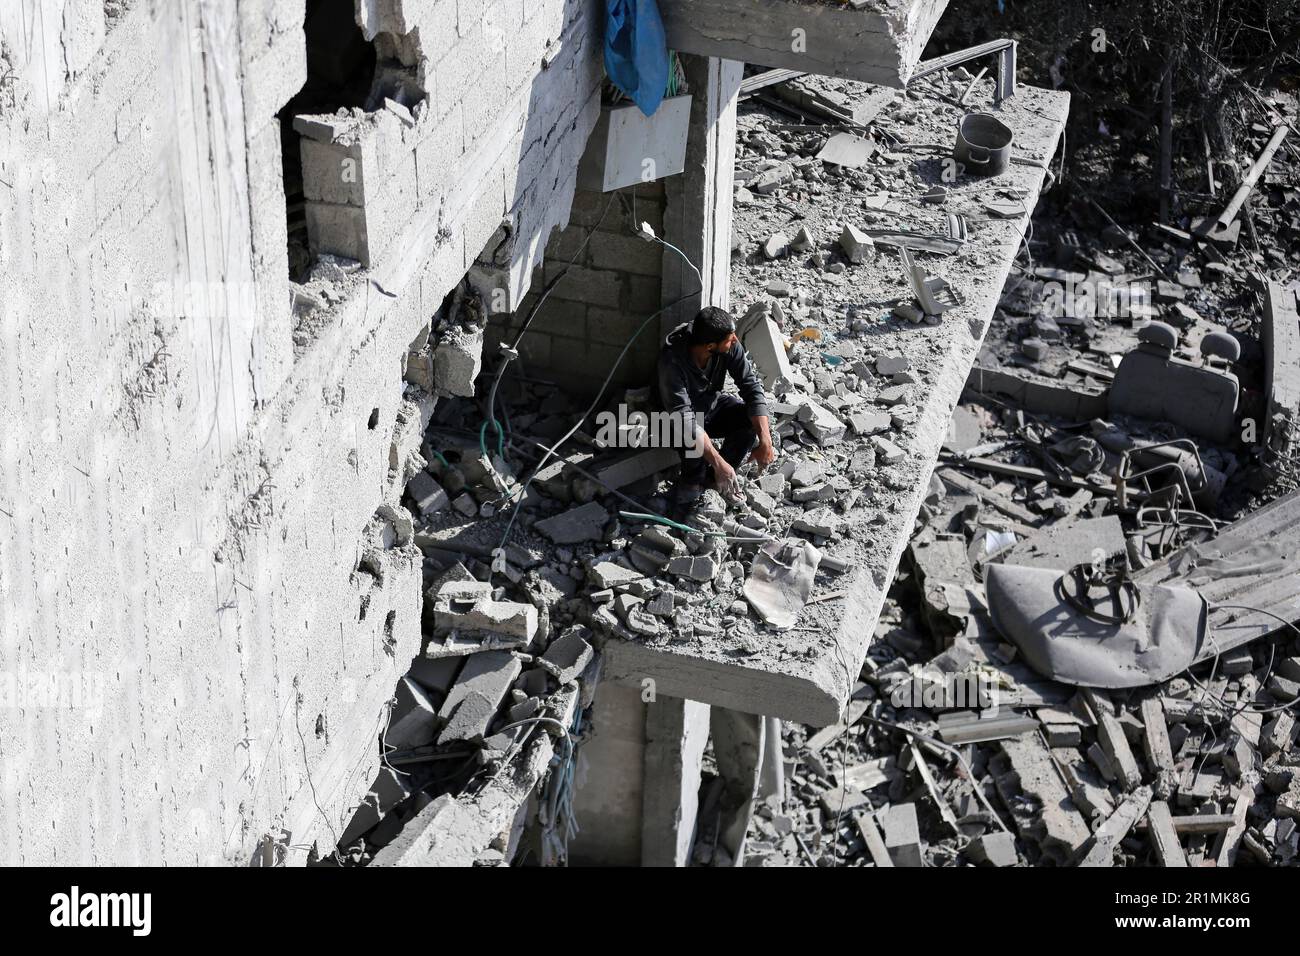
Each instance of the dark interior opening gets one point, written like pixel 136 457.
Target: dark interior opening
pixel 340 71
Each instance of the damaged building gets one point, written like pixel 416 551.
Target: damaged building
pixel 313 551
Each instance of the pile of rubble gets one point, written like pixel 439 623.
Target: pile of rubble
pixel 971 737
pixel 956 746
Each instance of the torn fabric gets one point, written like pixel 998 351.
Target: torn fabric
pixel 1167 630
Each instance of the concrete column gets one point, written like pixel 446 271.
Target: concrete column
pixel 610 780
pixel 698 215
pixel 738 746
pixel 771 780
pixel 676 733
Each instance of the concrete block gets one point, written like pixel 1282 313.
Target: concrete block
pixel 994 849
pixel 608 574
pixel 389 789
pixel 820 422
pixel 857 245
pixel 339 230
pixel 902 834
pixel 477 695
pixel 457 361
pixel 634 467
pixel 577 525
pixel 887 451
pixel 822 522
pixel 763 340
pixel 436 675
pixel 427 494
pixel 571 653
pixel 466 608
pixel 592 286
pixel 415 719
pixel 335 173
pixel 698 567
pixel 869 423
pixel 623 253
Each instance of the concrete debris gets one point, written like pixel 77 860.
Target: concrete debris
pixel 428 495
pixel 1052 769
pixel 902 835
pixel 994 849
pixel 570 654
pixel 467 618
pixel 473 702
pixel 457 361
pixel 845 149
pixel 577 526
pixel 857 245
pixel 414 719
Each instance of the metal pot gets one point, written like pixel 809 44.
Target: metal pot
pixel 983 144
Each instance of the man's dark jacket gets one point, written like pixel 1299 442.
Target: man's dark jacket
pixel 691 391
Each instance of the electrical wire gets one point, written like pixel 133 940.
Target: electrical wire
pixel 513 349
pixel 1247 708
pixel 600 393
pixel 660 519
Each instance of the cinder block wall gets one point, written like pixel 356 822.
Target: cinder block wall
pixel 613 286
pixel 186 492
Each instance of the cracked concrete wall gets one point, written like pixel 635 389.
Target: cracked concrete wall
pixel 186 498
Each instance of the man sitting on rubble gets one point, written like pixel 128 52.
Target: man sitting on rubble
pixel 695 357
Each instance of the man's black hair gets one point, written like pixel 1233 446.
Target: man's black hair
pixel 710 325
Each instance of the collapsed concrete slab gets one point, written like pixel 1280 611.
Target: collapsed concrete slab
pixel 806 674
pixel 880 43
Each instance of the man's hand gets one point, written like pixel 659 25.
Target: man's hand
pixel 723 474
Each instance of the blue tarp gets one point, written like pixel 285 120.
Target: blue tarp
pixel 636 54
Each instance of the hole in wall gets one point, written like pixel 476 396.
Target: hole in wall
pixel 340 72
pixel 373 422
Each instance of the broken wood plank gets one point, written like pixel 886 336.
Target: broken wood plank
pixel 1115 744
pixel 1227 855
pixel 1252 177
pixel 1155 738
pixel 866 824
pixel 1163 835
pixel 993 499
pixel 927 778
pixel 1197 824
pixel 1101 848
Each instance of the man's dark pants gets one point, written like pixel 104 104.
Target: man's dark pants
pixel 731 430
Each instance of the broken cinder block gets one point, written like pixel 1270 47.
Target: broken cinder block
pixel 467 619
pixel 474 700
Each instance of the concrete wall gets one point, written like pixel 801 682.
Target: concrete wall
pixel 188 484
pixel 618 280
pixel 612 287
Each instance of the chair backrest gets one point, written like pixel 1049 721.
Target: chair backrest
pixel 1151 384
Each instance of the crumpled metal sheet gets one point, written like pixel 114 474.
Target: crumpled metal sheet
pixel 1167 633
pixel 781 580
